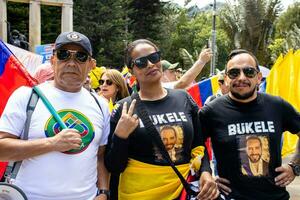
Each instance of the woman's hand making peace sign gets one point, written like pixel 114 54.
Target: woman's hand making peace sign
pixel 128 121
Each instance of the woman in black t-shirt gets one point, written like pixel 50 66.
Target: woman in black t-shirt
pixel 131 151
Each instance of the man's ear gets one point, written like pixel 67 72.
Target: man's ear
pixel 90 64
pixel 53 61
pixel 226 80
pixel 259 77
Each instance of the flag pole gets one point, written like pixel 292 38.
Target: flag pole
pixel 213 42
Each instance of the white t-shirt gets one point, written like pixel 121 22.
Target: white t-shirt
pixel 57 175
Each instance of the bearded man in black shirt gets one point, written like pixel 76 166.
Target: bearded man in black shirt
pixel 244 113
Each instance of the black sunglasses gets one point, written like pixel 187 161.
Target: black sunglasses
pixel 249 72
pixel 108 82
pixel 142 62
pixel 63 54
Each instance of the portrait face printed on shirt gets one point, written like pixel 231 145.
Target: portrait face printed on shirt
pixel 254 149
pixel 169 137
pixel 254 155
pixel 172 138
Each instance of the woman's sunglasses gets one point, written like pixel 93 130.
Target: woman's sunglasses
pixel 108 82
pixel 142 62
pixel 80 56
pixel 249 72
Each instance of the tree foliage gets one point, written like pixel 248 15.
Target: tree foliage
pixel 288 19
pixel 104 22
pixel 287 32
pixel 191 33
pixel 250 24
pixel 50 23
pixel 111 24
pixel 146 19
pixel 17 17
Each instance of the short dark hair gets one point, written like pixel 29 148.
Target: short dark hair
pixel 130 48
pixel 253 137
pixel 236 52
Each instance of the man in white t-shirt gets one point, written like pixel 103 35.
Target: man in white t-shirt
pixel 60 164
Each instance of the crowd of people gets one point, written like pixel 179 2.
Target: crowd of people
pixel 100 155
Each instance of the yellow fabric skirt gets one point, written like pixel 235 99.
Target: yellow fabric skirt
pixel 142 181
pixel 148 182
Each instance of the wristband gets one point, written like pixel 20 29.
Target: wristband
pixel 104 191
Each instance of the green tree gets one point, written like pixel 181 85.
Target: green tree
pixel 146 19
pixel 17 17
pixel 288 19
pixel 191 33
pixel 50 23
pixel 104 22
pixel 283 45
pixel 250 24
pixel 287 32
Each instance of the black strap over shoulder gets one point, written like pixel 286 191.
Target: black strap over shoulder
pixel 13 170
pixel 93 95
pixel 144 116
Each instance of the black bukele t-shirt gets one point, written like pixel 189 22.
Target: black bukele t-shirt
pixel 176 119
pixel 246 139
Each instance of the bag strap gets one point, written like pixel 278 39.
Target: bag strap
pixel 93 95
pixel 144 116
pixel 29 110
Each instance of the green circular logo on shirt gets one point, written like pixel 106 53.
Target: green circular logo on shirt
pixel 73 120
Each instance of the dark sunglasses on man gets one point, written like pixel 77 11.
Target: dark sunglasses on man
pixel 108 82
pixel 249 72
pixel 64 54
pixel 142 62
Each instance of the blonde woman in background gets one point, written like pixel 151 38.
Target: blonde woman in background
pixel 113 85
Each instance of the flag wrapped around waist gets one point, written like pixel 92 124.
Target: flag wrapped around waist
pixel 12 76
pixel 146 181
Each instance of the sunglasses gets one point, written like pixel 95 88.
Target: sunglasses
pixel 80 56
pixel 108 82
pixel 249 72
pixel 142 62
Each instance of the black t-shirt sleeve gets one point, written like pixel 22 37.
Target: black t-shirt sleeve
pixel 205 122
pixel 291 118
pixel 116 154
pixel 198 136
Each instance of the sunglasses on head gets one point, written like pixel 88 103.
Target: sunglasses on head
pixel 80 56
pixel 142 62
pixel 108 82
pixel 249 72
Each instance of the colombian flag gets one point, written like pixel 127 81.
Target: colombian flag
pixel 202 90
pixel 12 76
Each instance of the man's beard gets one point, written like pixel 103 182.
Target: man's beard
pixel 255 160
pixel 243 96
